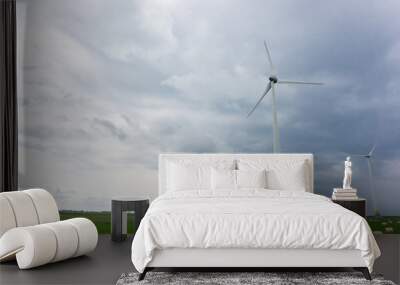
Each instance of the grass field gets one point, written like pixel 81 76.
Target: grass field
pixel 102 220
pixel 386 225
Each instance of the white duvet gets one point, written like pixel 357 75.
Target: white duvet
pixel 250 219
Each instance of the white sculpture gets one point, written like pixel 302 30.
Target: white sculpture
pixel 347 174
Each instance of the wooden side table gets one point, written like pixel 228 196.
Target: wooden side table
pixel 120 206
pixel 358 206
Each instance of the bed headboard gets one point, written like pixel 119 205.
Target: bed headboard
pixel 164 157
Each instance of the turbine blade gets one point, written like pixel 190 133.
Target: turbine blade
pixel 298 82
pixel 269 58
pixel 372 150
pixel 261 98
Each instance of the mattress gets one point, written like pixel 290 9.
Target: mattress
pixel 250 219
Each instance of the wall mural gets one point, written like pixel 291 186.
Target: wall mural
pixel 105 86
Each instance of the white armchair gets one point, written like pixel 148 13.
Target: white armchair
pixel 31 230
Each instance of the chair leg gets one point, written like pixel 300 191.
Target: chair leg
pixel 364 271
pixel 143 274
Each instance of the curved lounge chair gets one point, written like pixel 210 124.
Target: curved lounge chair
pixel 32 233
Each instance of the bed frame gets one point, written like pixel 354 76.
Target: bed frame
pixel 244 259
pixel 250 259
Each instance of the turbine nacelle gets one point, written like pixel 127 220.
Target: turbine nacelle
pixel 273 79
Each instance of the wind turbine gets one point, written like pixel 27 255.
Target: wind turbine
pixel 273 79
pixel 369 156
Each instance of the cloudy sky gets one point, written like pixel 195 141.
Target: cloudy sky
pixel 107 85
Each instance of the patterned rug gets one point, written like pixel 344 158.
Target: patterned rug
pixel 269 278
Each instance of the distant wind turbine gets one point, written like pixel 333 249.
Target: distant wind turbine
pixel 368 156
pixel 273 79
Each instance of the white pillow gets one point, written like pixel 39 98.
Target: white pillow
pixel 291 177
pixel 184 177
pixel 251 178
pixel 176 167
pixel 282 174
pixel 226 179
pixel 223 179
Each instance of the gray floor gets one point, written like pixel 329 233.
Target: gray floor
pixel 389 262
pixel 103 266
pixel 110 260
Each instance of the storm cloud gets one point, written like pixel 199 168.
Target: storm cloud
pixel 107 85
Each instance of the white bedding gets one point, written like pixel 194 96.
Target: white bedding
pixel 250 218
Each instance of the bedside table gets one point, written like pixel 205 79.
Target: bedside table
pixel 120 206
pixel 358 206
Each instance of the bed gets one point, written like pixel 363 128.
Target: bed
pixel 245 211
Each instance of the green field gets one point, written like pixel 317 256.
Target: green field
pixel 102 220
pixel 386 225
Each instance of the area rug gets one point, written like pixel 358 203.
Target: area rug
pixel 269 278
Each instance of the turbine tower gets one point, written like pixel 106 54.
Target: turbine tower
pixel 368 157
pixel 273 80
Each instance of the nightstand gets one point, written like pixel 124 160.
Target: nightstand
pixel 120 206
pixel 358 206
